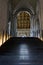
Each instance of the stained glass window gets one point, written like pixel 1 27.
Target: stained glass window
pixel 23 20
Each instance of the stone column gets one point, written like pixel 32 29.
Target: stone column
pixel 32 28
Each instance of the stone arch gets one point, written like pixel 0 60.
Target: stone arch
pixel 24 5
pixel 21 7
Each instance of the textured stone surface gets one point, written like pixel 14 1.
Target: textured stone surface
pixel 3 15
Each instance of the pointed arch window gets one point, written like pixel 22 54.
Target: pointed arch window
pixel 23 20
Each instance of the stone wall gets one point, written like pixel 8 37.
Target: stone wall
pixel 41 10
pixel 3 15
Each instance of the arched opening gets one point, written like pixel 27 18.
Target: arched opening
pixel 23 24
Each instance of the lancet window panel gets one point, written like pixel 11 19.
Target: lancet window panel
pixel 23 20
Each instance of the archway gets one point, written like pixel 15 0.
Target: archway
pixel 28 14
pixel 32 21
pixel 23 24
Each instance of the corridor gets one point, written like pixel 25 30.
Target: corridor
pixel 21 32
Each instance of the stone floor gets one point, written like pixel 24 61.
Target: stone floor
pixel 22 51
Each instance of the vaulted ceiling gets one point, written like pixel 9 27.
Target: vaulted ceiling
pixel 31 2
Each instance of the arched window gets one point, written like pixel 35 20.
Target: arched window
pixel 23 24
pixel 23 20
